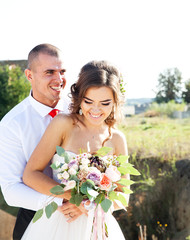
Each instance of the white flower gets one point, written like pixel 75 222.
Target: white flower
pixel 107 159
pixel 71 184
pixel 59 176
pixel 113 173
pixel 58 159
pixel 72 171
pixel 64 167
pixel 94 169
pixel 57 163
pixel 84 167
pixel 85 161
pixel 75 167
pixel 65 175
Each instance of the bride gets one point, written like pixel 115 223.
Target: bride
pixel 96 100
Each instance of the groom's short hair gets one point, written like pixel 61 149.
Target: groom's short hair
pixel 44 48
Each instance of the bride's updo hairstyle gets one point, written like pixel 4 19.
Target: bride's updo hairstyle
pixel 98 74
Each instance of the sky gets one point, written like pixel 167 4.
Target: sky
pixel 141 37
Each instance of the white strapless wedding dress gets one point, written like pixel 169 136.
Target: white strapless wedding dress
pixel 57 227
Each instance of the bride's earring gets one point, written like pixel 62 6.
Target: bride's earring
pixel 80 111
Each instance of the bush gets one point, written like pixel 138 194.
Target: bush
pixel 14 87
pixel 166 109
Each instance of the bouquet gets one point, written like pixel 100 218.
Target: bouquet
pixel 93 178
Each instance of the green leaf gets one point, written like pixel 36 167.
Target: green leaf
pixel 106 204
pixel 83 188
pixel 90 183
pixel 72 200
pixel 66 156
pixel 38 215
pixel 122 199
pixel 50 209
pixel 106 230
pixel 57 190
pixel 99 198
pixel 113 196
pixel 78 199
pixel 73 192
pixel 75 178
pixel 122 170
pixel 53 166
pixel 127 190
pixel 60 151
pixel 114 186
pixel 127 164
pixel 122 159
pixel 128 168
pixel 125 182
pixel 133 171
pixel 103 151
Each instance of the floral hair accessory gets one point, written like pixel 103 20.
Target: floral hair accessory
pixel 122 85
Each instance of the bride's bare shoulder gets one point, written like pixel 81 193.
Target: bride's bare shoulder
pixel 63 119
pixel 119 141
pixel 118 135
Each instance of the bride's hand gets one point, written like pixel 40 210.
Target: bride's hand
pixel 71 211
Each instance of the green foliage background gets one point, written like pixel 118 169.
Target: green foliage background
pixel 14 87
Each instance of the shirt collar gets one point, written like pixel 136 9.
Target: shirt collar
pixel 42 109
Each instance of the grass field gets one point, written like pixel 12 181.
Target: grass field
pixel 161 138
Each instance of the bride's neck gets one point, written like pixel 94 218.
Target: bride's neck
pixel 96 129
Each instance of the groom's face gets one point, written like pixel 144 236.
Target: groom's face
pixel 47 77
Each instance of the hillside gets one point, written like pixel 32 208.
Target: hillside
pixel 138 101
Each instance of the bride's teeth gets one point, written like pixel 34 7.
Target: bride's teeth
pixel 95 116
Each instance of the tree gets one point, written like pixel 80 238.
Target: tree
pixel 13 87
pixel 186 93
pixel 169 85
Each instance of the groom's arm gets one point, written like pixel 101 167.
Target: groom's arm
pixel 12 164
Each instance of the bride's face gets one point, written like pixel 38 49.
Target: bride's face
pixel 97 104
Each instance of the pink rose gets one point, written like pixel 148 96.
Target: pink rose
pixel 105 183
pixel 113 173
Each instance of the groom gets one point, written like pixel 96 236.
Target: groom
pixel 22 128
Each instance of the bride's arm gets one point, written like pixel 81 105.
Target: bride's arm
pixel 54 135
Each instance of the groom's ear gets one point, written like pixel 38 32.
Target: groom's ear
pixel 28 74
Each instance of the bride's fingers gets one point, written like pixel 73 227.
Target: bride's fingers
pixel 72 219
pixel 82 208
pixel 72 210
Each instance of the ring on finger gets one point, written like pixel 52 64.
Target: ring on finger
pixel 70 215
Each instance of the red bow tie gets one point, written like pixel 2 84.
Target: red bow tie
pixel 54 112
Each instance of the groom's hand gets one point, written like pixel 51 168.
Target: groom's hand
pixel 71 211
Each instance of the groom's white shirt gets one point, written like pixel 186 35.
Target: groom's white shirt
pixel 20 131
